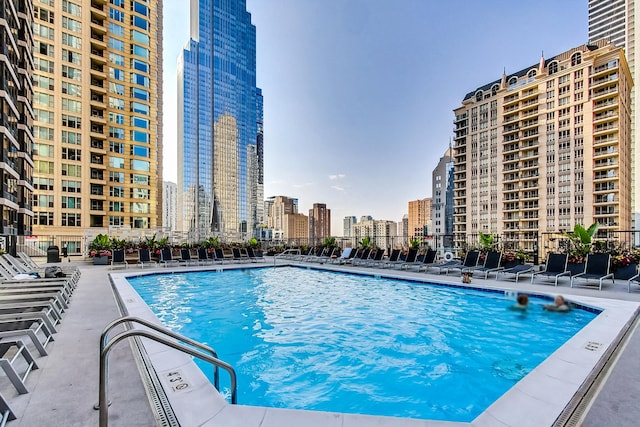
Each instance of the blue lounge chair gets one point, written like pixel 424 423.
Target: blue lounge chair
pixel 144 258
pixel 255 256
pixel 410 259
pixel 516 270
pixel 491 264
pixel 556 267
pixel 470 260
pixel 596 268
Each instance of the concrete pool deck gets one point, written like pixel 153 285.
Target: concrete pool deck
pixel 65 388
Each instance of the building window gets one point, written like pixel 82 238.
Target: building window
pixel 552 68
pixel 576 59
pixel 71 219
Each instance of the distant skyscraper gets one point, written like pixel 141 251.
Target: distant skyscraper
pixel 16 124
pixel 442 206
pixel 616 21
pixel 347 225
pixel 220 146
pixel 419 217
pixel 169 205
pixel 319 223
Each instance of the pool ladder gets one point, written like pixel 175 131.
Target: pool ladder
pixel 161 335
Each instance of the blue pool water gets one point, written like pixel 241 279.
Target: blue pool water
pixel 309 339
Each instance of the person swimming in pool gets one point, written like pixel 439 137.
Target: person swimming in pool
pixel 522 303
pixel 559 304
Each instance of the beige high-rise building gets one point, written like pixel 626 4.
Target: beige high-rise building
pixel 419 217
pixel 616 21
pixel 296 228
pixel 98 109
pixel 545 148
pixel 382 233
pixel 278 207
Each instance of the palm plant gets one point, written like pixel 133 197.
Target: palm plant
pixel 365 242
pixel 580 241
pixel 487 241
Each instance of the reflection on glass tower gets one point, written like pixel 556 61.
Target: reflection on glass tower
pixel 219 124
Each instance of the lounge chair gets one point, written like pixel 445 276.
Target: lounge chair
pixel 394 257
pixel 346 253
pixel 428 261
pixel 364 257
pixel 166 257
pixel 28 328
pixel 221 257
pixel 470 260
pixel 18 265
pixel 69 270
pixel 9 275
pixel 144 258
pixel 238 256
pixel 185 257
pixel 596 268
pixel 6 414
pixel 376 259
pixel 491 264
pixel 516 270
pixel 48 309
pixel 355 253
pixel 317 254
pixel 118 259
pixel 9 352
pixel 555 266
pixel 203 257
pixel 410 259
pixel 631 280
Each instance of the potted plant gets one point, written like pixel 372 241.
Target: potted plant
pixel 580 242
pixel 100 249
pixel 512 258
pixel 624 264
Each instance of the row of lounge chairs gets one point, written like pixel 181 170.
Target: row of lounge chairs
pixel 31 308
pixel 203 257
pixel 596 266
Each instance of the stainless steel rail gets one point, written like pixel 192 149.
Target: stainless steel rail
pixel 202 352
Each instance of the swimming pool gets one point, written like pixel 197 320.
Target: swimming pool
pixel 302 338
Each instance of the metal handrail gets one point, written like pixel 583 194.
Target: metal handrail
pixel 106 347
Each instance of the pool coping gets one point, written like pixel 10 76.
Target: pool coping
pixel 540 398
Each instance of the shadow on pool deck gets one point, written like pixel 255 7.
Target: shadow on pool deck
pixel 65 388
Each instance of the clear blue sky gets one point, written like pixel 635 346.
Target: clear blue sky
pixel 358 94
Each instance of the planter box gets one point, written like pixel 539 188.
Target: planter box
pixel 100 260
pixel 626 272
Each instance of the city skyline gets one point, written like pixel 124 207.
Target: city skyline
pixel 351 86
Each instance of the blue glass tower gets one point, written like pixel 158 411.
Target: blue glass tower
pixel 219 124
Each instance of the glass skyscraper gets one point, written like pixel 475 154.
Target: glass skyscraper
pixel 220 165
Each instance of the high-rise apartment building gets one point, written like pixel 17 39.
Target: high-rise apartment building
pixel 220 145
pixel 279 206
pixel 169 205
pixel 347 225
pixel 419 217
pixel 545 148
pixel 16 116
pixel 442 206
pixel 319 223
pixel 616 21
pixel 381 232
pixel 97 105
